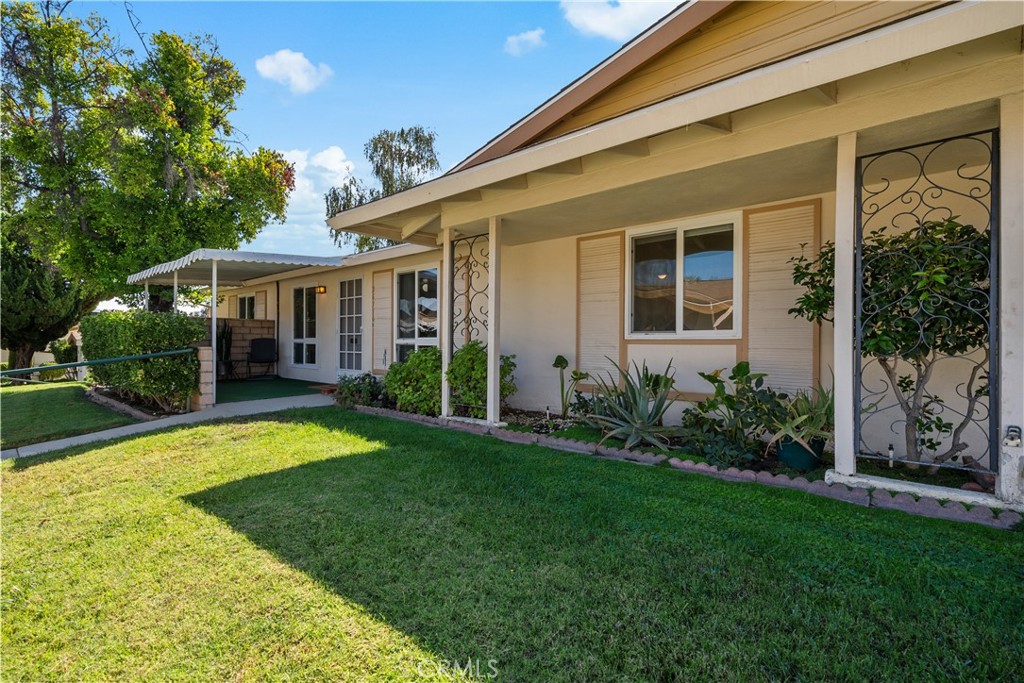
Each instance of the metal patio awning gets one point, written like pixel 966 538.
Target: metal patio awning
pixel 234 268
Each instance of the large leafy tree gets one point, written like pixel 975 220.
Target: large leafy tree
pixel 39 303
pixel 399 159
pixel 114 160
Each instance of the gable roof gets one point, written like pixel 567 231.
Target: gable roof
pixel 871 36
pixel 669 30
pixel 697 44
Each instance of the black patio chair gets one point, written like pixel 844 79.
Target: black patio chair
pixel 261 352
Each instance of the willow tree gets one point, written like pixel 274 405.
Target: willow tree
pixel 399 159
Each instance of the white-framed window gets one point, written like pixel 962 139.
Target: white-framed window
pixel 350 325
pixel 415 311
pixel 304 325
pixel 247 307
pixel 683 279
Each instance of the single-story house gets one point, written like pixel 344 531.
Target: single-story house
pixel 649 211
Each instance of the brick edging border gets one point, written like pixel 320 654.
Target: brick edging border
pixel 880 498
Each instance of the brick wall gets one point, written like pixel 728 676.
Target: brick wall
pixel 204 399
pixel 243 332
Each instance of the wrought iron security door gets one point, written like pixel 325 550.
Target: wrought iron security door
pixel 926 306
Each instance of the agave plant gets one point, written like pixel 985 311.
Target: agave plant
pixel 809 417
pixel 632 407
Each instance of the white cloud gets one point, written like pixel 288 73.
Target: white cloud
pixel 525 42
pixel 334 160
pixel 616 20
pixel 294 70
pixel 305 231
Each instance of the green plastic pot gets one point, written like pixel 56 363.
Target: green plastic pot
pixel 792 454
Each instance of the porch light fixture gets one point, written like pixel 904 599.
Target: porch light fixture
pixel 320 289
pixel 662 276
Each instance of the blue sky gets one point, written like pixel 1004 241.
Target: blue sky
pixel 322 77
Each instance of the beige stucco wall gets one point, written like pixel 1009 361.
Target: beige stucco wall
pixel 326 368
pixel 538 316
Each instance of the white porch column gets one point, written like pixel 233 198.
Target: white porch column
pixel 175 295
pixel 493 317
pixel 1010 486
pixel 845 278
pixel 213 329
pixel 145 295
pixel 444 334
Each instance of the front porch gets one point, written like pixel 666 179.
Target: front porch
pixel 555 228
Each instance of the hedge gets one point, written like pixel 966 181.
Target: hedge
pixel 467 377
pixel 415 385
pixel 166 382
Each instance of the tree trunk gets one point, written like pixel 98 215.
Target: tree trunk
pixel 910 434
pixel 21 356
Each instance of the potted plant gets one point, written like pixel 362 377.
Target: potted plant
pixel 801 435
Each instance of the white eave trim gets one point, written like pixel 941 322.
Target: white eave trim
pixel 919 35
pixel 230 255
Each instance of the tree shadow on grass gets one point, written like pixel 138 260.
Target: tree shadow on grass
pixel 560 567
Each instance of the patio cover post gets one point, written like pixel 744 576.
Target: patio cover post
pixel 1010 254
pixel 175 295
pixel 845 278
pixel 446 320
pixel 493 318
pixel 213 328
pixel 145 295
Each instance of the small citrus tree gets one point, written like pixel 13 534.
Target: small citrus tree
pixel 925 296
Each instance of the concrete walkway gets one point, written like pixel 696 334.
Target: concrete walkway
pixel 240 409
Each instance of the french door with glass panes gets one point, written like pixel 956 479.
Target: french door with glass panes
pixel 350 325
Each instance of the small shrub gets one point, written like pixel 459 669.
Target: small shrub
pixel 467 377
pixel 360 390
pixel 729 427
pixel 581 406
pixel 415 384
pixel 64 352
pixel 50 375
pixel 166 382
pixel 633 407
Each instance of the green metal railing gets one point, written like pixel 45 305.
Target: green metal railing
pixel 99 361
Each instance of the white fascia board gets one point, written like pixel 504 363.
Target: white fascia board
pixel 936 30
pixel 349 261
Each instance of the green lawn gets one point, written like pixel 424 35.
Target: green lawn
pixel 32 413
pixel 329 545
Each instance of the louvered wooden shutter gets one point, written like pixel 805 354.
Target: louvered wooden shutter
pixel 232 306
pixel 260 309
pixel 382 324
pixel 599 304
pixel 778 343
